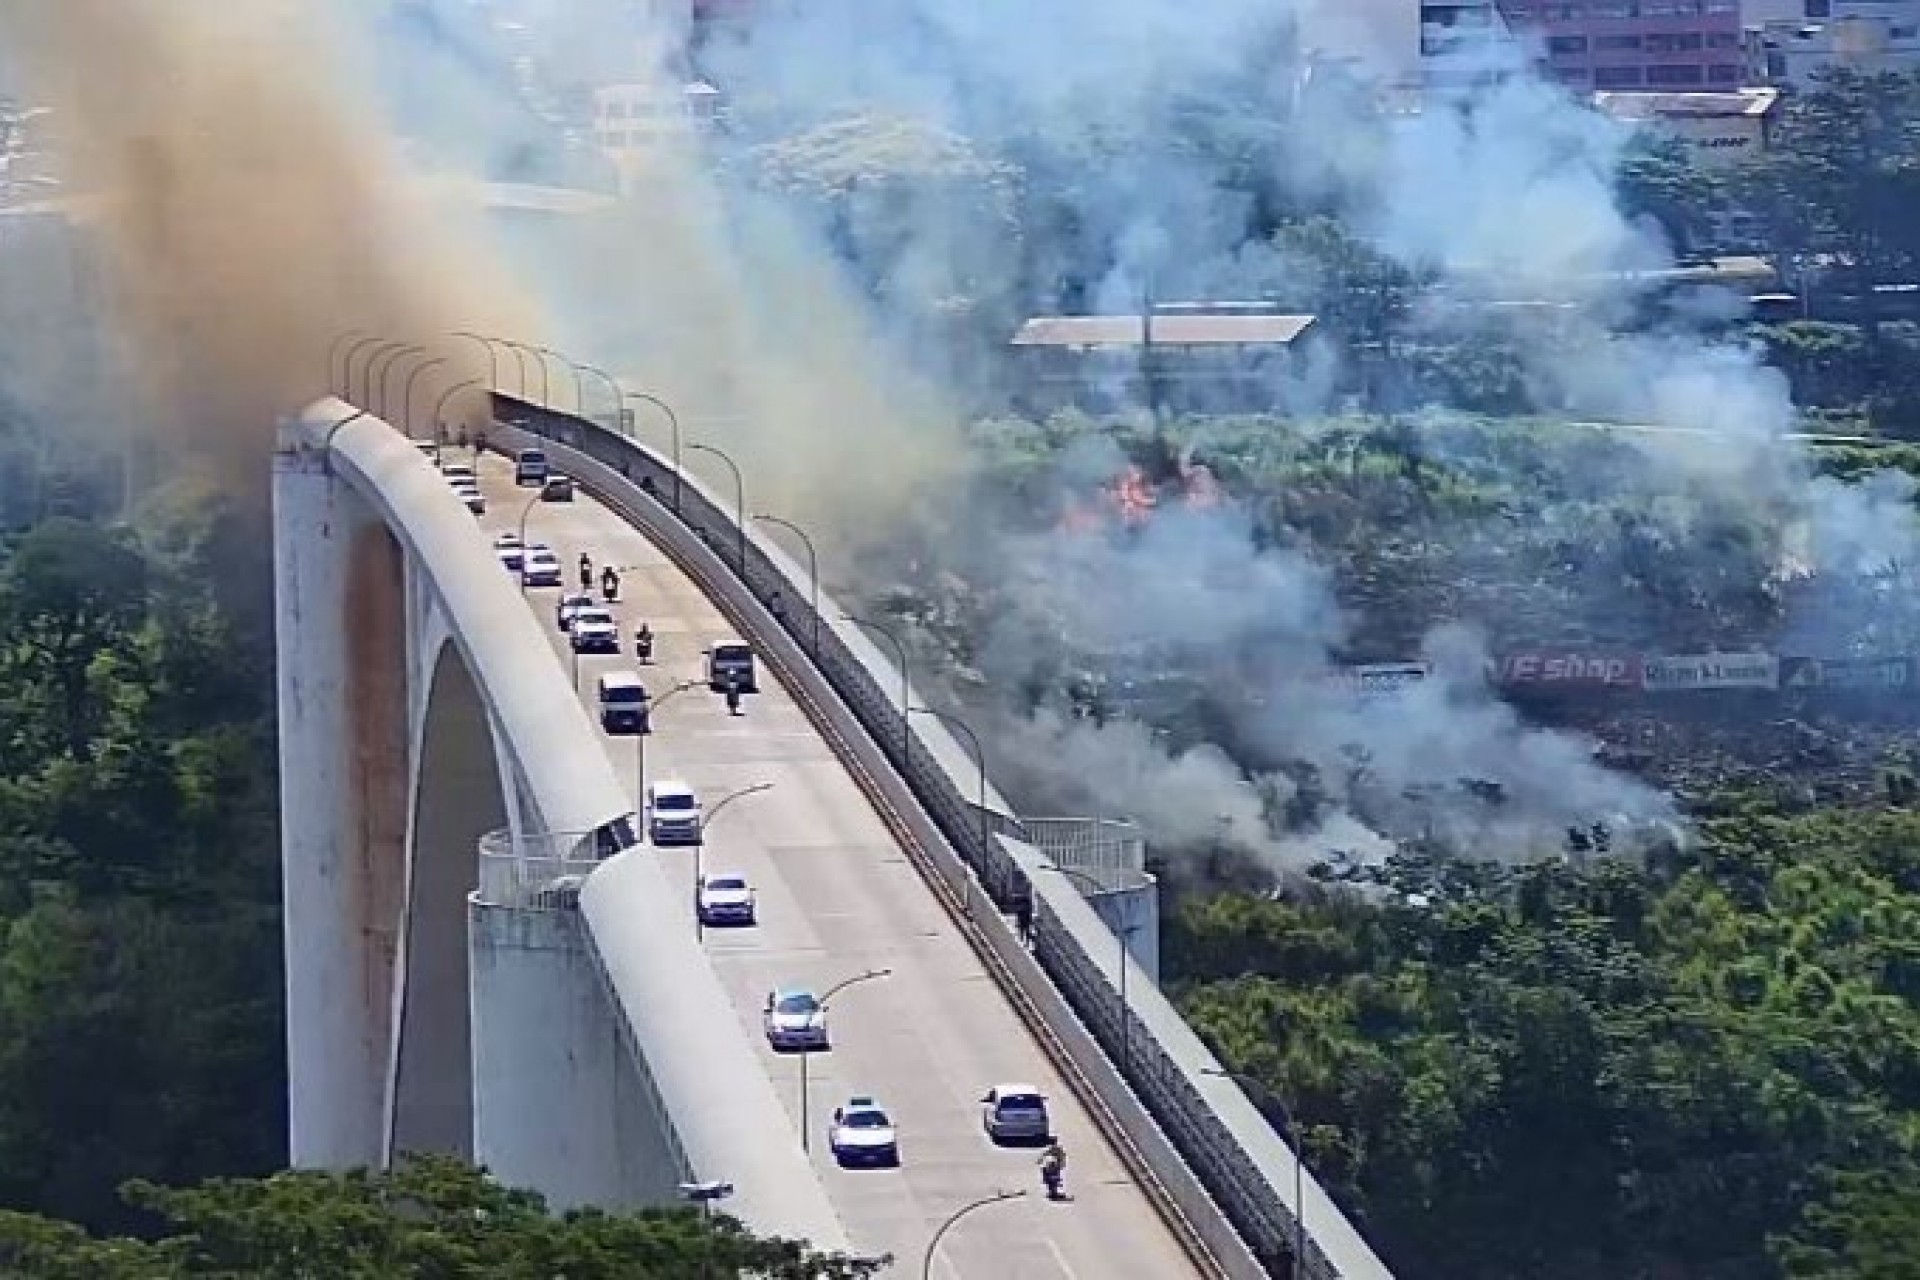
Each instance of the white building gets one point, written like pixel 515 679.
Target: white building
pixel 630 120
pixel 1720 129
pixel 1789 41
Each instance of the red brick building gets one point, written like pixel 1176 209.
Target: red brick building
pixel 1635 44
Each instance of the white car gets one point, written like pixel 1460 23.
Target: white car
pixel 471 495
pixel 795 1019
pixel 724 897
pixel 862 1133
pixel 569 606
pixel 673 813
pixel 594 631
pixel 540 568
pixel 459 473
pixel 1016 1113
pixel 512 554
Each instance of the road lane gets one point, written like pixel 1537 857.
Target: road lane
pixel 837 898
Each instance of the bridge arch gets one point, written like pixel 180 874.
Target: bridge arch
pixel 420 710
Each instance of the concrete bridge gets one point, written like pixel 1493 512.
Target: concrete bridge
pixel 485 958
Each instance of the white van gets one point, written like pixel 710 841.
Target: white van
pixel 624 703
pixel 673 813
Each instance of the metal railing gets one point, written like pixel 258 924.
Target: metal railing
pixel 1166 1082
pixel 541 871
pixel 1110 852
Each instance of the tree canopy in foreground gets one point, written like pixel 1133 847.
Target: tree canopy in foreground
pixel 433 1217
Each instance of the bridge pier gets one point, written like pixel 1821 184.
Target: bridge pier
pixel 340 643
pixel 557 1103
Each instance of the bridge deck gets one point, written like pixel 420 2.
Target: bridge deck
pixel 838 897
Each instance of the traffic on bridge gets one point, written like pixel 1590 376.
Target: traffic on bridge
pixel 901 1032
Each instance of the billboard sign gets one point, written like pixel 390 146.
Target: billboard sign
pixel 1846 673
pixel 1539 669
pixel 1376 679
pixel 1712 671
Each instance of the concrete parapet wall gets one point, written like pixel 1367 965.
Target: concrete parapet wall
pixel 1218 1164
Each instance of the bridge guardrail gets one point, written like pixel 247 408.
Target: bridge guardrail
pixel 542 872
pixel 1236 1157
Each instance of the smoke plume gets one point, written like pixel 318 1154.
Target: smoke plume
pixel 248 205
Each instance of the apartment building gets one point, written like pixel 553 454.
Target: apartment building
pixel 1790 41
pixel 1667 45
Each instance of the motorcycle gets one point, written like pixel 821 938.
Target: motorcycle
pixel 643 643
pixel 610 586
pixel 1053 1174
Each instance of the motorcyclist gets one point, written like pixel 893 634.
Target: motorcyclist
pixel 1053 1168
pixel 586 572
pixel 733 697
pixel 610 584
pixel 643 642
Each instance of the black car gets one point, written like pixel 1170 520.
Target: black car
pixel 558 488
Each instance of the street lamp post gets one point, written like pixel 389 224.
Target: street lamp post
pixel 1291 1133
pixel 1125 935
pixel 382 359
pixel 906 681
pixel 646 731
pixel 673 424
pixel 926 1262
pixel 579 392
pixel 540 362
pixel 334 383
pixel 986 816
pixel 613 385
pixel 699 926
pixel 346 364
pixel 739 497
pixel 813 571
pixel 806 1086
pixel 493 355
pixel 386 379
pixel 373 348
pixel 406 395
pixel 519 354
pixel 440 405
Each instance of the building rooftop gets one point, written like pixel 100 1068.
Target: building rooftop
pixel 1717 103
pixel 1168 330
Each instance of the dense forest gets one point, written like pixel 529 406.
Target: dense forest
pixel 140 1025
pixel 428 1217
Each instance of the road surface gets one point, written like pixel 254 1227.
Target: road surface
pixel 837 898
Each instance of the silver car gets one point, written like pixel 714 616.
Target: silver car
pixel 1016 1113
pixel 796 1020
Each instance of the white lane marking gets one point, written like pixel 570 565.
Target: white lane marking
pixel 1060 1258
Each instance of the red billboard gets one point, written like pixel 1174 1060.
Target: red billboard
pixel 1571 669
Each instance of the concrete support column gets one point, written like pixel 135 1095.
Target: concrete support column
pixel 558 1103
pixel 339 623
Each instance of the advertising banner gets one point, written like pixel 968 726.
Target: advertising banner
pixel 1712 671
pixel 1376 678
pixel 1559 668
pixel 1846 673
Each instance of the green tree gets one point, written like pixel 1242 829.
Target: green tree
pixel 1658 178
pixel 926 218
pixel 432 1216
pixel 1839 180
